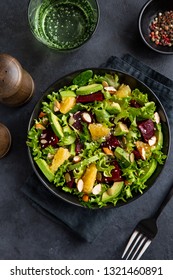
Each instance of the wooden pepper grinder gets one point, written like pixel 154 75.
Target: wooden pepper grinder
pixel 16 85
pixel 5 140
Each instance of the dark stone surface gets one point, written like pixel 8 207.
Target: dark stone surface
pixel 25 233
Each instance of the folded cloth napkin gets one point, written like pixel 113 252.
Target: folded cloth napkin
pixel 87 223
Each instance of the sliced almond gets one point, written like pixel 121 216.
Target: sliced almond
pixel 152 140
pixel 43 141
pixel 86 117
pixel 43 135
pixel 56 106
pixel 50 156
pixel 143 154
pixel 110 89
pixel 97 189
pixel 80 185
pixel 157 117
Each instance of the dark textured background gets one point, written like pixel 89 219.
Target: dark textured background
pixel 25 233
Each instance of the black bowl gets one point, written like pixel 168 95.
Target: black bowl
pixel 149 11
pixel 126 79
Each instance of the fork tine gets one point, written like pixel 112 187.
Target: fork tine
pixel 131 240
pixel 147 243
pixel 139 241
pixel 139 245
pixel 134 244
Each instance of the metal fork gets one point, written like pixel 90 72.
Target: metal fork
pixel 144 232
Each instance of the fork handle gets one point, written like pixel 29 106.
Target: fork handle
pixel 166 199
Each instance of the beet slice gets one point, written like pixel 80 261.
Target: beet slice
pixel 147 129
pixel 111 142
pixel 71 183
pixel 135 104
pixel 48 138
pixel 77 120
pixel 116 174
pixel 79 146
pixel 98 96
pixel 136 154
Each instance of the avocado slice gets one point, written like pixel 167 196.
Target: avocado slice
pixel 55 125
pixel 44 167
pixel 89 89
pixel 121 129
pixel 112 107
pixel 149 170
pixel 159 136
pixel 67 93
pixel 113 191
pixel 122 156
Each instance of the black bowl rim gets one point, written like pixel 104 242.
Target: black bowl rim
pixel 72 49
pixel 45 93
pixel 141 33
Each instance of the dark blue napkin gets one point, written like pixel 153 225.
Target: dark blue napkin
pixel 87 223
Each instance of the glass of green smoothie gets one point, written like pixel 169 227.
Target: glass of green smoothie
pixel 63 25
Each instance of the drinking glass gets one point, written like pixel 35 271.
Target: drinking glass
pixel 63 24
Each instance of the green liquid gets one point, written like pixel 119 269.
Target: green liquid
pixel 66 24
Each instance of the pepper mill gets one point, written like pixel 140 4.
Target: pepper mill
pixel 5 140
pixel 16 85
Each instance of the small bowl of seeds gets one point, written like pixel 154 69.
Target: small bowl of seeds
pixel 156 25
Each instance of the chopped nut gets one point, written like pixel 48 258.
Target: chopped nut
pixel 152 140
pixel 105 84
pixel 45 120
pixel 39 126
pixel 86 117
pixel 107 151
pixel 110 89
pixel 42 114
pixel 97 189
pixel 85 198
pixel 80 185
pixel 76 159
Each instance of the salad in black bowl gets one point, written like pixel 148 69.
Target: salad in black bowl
pixel 98 138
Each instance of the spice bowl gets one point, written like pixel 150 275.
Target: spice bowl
pixel 155 25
